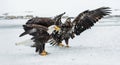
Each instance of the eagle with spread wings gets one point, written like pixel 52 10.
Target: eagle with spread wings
pixel 82 22
pixel 44 29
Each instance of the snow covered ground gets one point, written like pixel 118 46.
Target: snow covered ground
pixel 99 45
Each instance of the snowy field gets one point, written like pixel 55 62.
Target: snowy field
pixel 99 45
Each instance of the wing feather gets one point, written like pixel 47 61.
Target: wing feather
pixel 34 29
pixel 41 21
pixel 87 19
pixel 57 19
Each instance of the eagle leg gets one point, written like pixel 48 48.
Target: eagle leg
pixel 66 41
pixel 42 51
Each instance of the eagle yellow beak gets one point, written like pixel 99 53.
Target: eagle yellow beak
pixel 57 28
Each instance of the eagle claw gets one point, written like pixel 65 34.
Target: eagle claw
pixel 67 46
pixel 44 53
pixel 60 45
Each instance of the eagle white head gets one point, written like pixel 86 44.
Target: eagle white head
pixel 52 28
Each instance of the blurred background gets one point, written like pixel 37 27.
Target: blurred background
pixel 48 8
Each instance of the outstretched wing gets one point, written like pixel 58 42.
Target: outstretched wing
pixel 41 21
pixel 33 29
pixel 46 21
pixel 87 19
pixel 57 19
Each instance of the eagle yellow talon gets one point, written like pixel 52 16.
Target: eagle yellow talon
pixel 60 45
pixel 67 46
pixel 44 53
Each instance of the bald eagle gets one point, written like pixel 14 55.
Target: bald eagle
pixel 41 30
pixel 82 22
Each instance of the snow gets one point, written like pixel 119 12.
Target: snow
pixel 99 45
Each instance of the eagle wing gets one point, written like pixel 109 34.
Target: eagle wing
pixel 86 19
pixel 40 36
pixel 41 21
pixel 33 29
pixel 57 19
